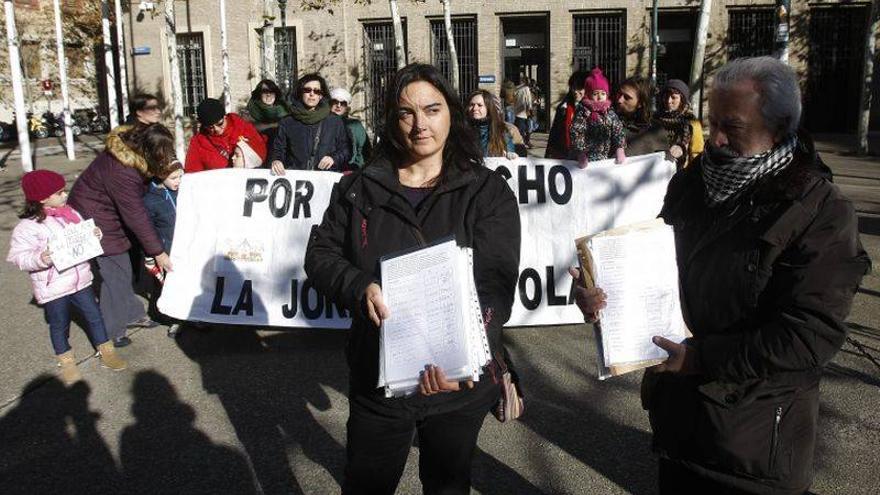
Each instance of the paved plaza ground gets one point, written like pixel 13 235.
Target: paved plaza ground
pixel 237 410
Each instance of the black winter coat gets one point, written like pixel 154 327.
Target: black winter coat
pixel 294 142
pixel 368 217
pixel 766 284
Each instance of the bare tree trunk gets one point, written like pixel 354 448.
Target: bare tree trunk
pixel 398 35
pixel 176 92
pixel 868 71
pixel 24 142
pixel 62 75
pixel 450 40
pixel 696 81
pixel 224 56
pixel 123 60
pixel 268 41
pixel 108 64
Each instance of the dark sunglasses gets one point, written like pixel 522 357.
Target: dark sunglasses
pixel 337 102
pixel 153 107
pixel 316 92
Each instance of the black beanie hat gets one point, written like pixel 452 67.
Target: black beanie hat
pixel 681 87
pixel 210 111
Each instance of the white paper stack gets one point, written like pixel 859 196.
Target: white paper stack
pixel 636 267
pixel 435 318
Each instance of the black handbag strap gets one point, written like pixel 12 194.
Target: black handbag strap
pixel 311 164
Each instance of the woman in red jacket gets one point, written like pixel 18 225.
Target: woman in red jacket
pixel 224 140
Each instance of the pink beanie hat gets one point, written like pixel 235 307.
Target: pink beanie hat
pixel 596 81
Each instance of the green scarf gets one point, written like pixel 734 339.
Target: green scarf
pixel 267 114
pixel 302 114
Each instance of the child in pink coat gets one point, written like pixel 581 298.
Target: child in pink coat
pixel 45 215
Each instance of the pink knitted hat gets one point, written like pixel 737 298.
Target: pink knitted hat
pixel 596 81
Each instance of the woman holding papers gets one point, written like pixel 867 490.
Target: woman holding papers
pixel 427 183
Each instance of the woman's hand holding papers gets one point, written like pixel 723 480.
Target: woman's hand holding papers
pixel 682 357
pixel 433 381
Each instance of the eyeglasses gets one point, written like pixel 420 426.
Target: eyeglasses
pixel 315 91
pixel 340 103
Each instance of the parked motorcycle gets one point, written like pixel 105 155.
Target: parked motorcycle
pixel 56 124
pixel 37 126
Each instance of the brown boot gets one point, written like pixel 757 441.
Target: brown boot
pixel 68 372
pixel 109 358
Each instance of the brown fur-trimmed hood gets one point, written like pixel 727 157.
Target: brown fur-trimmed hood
pixel 124 154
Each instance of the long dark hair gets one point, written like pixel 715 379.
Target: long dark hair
pixel 296 91
pixel 34 210
pixel 644 92
pixel 462 150
pixel 575 82
pixel 267 86
pixel 155 144
pixel 497 145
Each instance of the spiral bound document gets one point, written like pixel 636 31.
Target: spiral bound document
pixel 435 318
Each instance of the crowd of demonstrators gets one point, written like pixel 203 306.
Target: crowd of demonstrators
pixel 145 109
pixel 769 260
pixel 428 178
pixel 266 107
pixel 312 137
pixel 111 191
pixel 483 115
pixel 361 147
pixel 160 201
pixel 596 131
pixel 684 131
pixel 223 140
pixel 559 138
pixel 643 134
pixel 45 215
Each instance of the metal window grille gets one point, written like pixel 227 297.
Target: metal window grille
pixel 381 65
pixel 835 67
pixel 750 33
pixel 191 59
pixel 600 39
pixel 464 32
pixel 285 58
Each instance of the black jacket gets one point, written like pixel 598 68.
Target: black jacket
pixel 294 142
pixel 556 147
pixel 369 217
pixel 766 284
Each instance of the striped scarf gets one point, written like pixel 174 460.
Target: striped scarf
pixel 726 178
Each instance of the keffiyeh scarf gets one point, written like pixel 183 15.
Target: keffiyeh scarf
pixel 726 176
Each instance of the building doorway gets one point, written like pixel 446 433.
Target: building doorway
pixel 677 30
pixel 525 52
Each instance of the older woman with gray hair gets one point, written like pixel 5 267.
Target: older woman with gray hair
pixel 769 262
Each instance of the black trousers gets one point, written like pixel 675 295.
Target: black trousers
pixel 674 479
pixel 380 437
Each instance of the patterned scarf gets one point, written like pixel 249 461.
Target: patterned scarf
pixel 596 108
pixel 727 176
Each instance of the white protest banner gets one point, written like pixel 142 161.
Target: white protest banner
pixel 239 246
pixel 558 202
pixel 241 236
pixel 77 243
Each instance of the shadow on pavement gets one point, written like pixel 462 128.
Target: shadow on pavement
pixel 164 453
pixel 574 419
pixel 50 443
pixel 267 385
